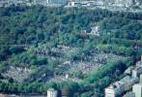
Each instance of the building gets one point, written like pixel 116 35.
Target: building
pixel 124 3
pixel 6 3
pixel 133 75
pixel 40 2
pixel 129 94
pixel 137 90
pixel 66 93
pixel 71 3
pixel 110 91
pixel 52 93
pixel 141 78
pixel 3 95
pixel 96 31
pixel 141 58
pixel 119 87
pixel 137 71
pixel 56 2
pixel 128 71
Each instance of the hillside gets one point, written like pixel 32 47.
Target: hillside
pixel 78 49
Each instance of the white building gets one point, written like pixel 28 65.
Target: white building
pixel 119 87
pixel 137 90
pixel 52 93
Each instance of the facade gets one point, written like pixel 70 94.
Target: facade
pixel 110 92
pixel 96 30
pixel 125 3
pixel 77 3
pixel 118 3
pixel 6 3
pixel 141 78
pixel 137 71
pixel 66 93
pixel 57 2
pixel 133 76
pixel 137 90
pixel 3 95
pixel 128 71
pixel 40 2
pixel 119 87
pixel 71 3
pixel 129 94
pixel 52 93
